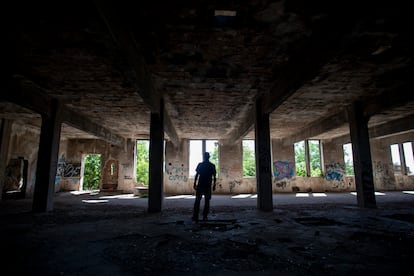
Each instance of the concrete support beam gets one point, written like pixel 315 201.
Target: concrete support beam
pixel 5 132
pixel 47 159
pixel 25 93
pixel 364 179
pixel 393 127
pixel 302 67
pixel 237 134
pixel 156 156
pixel 263 159
pixel 123 37
pixel 170 130
pixel 318 127
pixel 85 124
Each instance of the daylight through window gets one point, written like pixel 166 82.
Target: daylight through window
pixel 249 163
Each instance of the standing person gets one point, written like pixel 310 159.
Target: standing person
pixel 205 173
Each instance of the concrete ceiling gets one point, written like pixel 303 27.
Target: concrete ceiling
pixel 306 61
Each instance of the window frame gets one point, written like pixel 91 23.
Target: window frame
pixel 307 153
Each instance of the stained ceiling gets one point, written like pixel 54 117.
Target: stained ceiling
pixel 210 62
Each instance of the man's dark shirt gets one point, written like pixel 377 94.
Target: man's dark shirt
pixel 206 171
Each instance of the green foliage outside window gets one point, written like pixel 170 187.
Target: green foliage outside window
pixel 214 157
pixel 300 162
pixel 349 163
pixel 249 163
pixel 92 172
pixel 142 162
pixel 315 158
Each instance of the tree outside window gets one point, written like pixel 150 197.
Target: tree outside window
pixel 348 159
pixel 308 150
pixel 300 159
pixel 249 163
pixel 142 162
pixel 92 172
pixel 314 158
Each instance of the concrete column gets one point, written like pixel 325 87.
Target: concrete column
pixel 5 131
pixel 364 179
pixel 47 160
pixel 263 159
pixel 307 158
pixel 156 155
pixel 203 148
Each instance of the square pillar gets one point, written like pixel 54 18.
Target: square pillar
pixel 47 160
pixel 5 130
pixel 364 179
pixel 156 157
pixel 263 159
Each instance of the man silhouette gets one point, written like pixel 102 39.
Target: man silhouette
pixel 205 173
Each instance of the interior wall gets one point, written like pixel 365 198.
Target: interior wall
pixel 123 158
pixel 176 176
pixel 24 143
pixel 384 175
pixel 334 178
pixel 283 166
pixel 230 173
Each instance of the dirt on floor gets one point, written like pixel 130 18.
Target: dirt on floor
pixel 116 239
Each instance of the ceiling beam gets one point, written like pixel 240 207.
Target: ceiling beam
pixel 111 13
pixel 83 123
pixel 242 130
pixel 318 127
pixel 393 127
pixel 27 94
pixel 304 65
pixel 170 130
pixel 398 95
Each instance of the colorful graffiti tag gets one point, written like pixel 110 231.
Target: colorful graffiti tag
pixel 67 169
pixel 334 172
pixel 283 169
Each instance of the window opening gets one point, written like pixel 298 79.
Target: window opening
pixel 396 158
pixel 315 158
pixel 300 159
pixel 348 159
pixel 308 158
pixel 196 153
pixel 249 158
pixel 112 168
pixel 212 147
pixel 92 172
pixel 142 161
pixel 408 158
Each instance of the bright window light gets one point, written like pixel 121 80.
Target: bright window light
pixel 409 158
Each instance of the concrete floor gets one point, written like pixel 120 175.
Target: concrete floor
pixel 306 234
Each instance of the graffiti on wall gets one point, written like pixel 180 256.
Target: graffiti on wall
pixel 383 175
pixel 67 169
pixel 234 183
pixel 177 173
pixel 283 169
pixel 281 184
pixel 334 171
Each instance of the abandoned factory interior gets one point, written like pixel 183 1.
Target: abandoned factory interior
pixel 305 107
